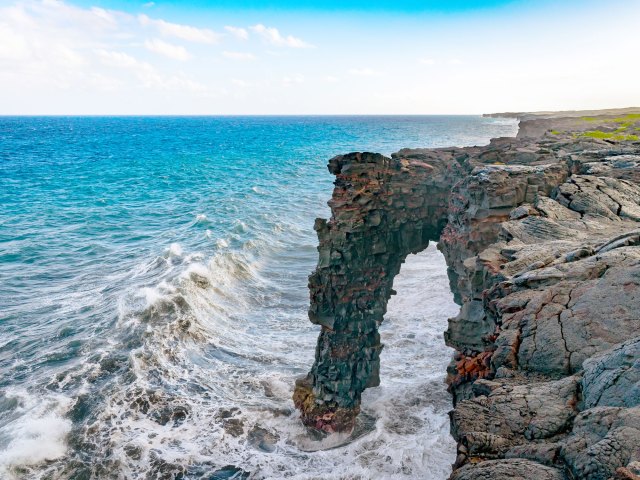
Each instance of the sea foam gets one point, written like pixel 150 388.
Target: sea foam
pixel 38 435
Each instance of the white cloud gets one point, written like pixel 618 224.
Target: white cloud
pixel 237 32
pixel 175 52
pixel 241 83
pixel 117 59
pixel 40 43
pixel 60 57
pixel 238 55
pixel 13 45
pixel 108 17
pixel 56 16
pixel 147 75
pixel 184 32
pixel 104 83
pixel 149 4
pixel 274 37
pixel 292 80
pixel 364 72
pixel 52 45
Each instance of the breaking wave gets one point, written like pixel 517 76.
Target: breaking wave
pixel 156 317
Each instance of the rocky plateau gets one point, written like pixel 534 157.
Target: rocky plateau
pixel 541 234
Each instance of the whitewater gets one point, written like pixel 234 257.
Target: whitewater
pixel 153 299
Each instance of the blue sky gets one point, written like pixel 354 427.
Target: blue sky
pixel 303 57
pixel 408 6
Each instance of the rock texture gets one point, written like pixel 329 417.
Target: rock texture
pixel 541 234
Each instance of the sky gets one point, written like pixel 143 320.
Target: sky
pixel 243 57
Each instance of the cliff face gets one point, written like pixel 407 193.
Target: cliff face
pixel 542 241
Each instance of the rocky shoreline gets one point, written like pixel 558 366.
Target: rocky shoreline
pixel 541 234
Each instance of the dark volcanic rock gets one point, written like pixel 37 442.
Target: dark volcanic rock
pixel 383 209
pixel 612 378
pixel 603 440
pixel 511 469
pixel 542 240
pixel 489 426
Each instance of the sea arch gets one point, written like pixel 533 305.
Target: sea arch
pixel 382 210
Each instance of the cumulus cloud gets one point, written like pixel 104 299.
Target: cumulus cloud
pixel 364 72
pixel 147 75
pixel 118 59
pixel 13 45
pixel 48 43
pixel 184 32
pixel 274 37
pixel 237 32
pixel 239 55
pixel 175 52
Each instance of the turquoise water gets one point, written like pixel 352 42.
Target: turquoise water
pixel 153 297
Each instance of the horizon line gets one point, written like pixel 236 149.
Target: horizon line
pixel 2 115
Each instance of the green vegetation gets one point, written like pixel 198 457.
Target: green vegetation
pixel 627 121
pixel 621 133
pixel 623 122
pixel 629 118
pixel 610 136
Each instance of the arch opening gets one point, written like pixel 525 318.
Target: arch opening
pixel 361 249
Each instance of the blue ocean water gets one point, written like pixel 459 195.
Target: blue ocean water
pixel 153 299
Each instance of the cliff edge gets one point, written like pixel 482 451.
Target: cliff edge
pixel 541 234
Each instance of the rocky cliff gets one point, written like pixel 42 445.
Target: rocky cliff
pixel 541 234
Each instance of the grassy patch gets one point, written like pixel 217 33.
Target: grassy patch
pixel 610 136
pixel 624 122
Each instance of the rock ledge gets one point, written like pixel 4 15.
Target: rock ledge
pixel 541 234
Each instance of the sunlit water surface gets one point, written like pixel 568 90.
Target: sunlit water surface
pixel 153 297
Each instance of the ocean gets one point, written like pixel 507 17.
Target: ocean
pixel 153 299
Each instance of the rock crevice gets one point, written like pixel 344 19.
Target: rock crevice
pixel 541 235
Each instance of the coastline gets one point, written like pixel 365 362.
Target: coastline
pixel 541 234
pixel 175 320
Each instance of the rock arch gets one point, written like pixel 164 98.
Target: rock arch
pixel 383 209
pixel 540 236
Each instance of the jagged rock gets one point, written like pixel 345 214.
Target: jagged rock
pixel 603 440
pixel 382 210
pixel 546 453
pixel 587 306
pixel 489 426
pixel 541 235
pixel 509 469
pixel 612 378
